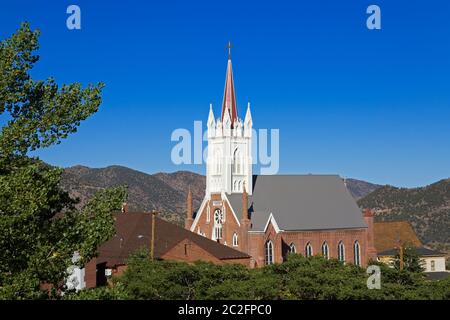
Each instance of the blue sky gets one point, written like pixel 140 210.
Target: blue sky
pixel 373 105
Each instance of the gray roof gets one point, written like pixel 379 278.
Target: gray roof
pixel 421 251
pixel 301 202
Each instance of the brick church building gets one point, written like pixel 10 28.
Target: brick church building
pixel 268 216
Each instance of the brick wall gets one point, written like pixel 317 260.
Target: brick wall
pixel 90 273
pixel 188 251
pixel 229 227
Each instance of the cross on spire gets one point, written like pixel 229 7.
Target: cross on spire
pixel 229 46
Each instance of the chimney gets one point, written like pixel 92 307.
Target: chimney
pixel 245 223
pixel 189 219
pixel 245 204
pixel 369 220
pixel 124 207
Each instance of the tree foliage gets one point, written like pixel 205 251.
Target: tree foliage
pixel 300 278
pixel 40 112
pixel 411 260
pixel 40 229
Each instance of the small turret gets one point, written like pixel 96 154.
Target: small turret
pixel 248 123
pixel 211 123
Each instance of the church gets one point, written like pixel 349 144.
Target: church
pixel 269 216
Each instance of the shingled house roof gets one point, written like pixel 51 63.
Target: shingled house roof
pixel 387 235
pixel 133 232
pixel 301 202
pixel 421 251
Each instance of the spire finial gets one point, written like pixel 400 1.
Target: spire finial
pixel 229 46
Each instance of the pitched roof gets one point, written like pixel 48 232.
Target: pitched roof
pixel 421 251
pixel 229 96
pixel 133 232
pixel 301 202
pixel 387 235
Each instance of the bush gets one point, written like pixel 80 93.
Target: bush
pixel 297 278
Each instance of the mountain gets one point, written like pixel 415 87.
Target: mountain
pixel 360 188
pixel 165 192
pixel 426 208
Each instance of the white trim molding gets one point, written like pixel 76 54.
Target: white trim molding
pixel 274 223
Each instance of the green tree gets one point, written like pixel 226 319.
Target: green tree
pixel 411 260
pixel 299 278
pixel 40 228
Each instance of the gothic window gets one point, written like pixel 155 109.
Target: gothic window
pixel 268 257
pixel 240 186
pixel 325 250
pixel 235 240
pixel 218 220
pixel 218 216
pixel 341 251
pixel 357 253
pixel 237 162
pixel 292 248
pixel 218 162
pixel 308 250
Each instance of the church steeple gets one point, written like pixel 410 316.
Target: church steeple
pixel 229 96
pixel 229 158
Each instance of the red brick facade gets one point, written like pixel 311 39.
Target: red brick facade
pixel 231 225
pixel 187 251
pixel 254 243
pixel 172 243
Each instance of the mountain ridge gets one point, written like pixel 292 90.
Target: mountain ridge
pixel 165 192
pixel 426 208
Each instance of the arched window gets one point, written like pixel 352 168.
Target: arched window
pixel 325 250
pixel 341 251
pixel 235 240
pixel 218 220
pixel 268 257
pixel 237 166
pixel 218 162
pixel 308 250
pixel 292 248
pixel 357 253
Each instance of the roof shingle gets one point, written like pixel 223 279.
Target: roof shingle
pixel 387 235
pixel 133 232
pixel 301 202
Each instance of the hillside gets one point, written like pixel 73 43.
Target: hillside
pixel 426 208
pixel 165 192
pixel 162 192
pixel 360 188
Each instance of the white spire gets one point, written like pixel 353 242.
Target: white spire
pixel 227 124
pixel 211 122
pixel 248 123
